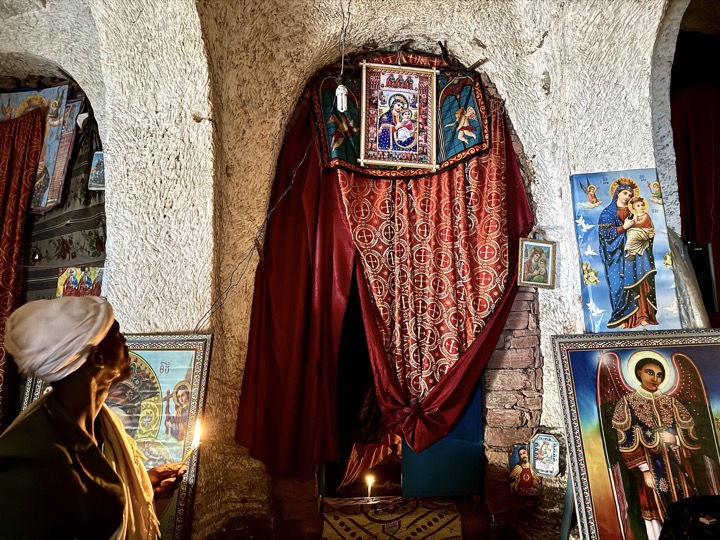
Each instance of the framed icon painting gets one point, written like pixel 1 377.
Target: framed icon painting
pixel 398 116
pixel 537 263
pixel 641 414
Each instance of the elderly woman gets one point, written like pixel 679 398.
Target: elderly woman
pixel 67 468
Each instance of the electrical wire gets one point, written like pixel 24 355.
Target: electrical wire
pixel 232 281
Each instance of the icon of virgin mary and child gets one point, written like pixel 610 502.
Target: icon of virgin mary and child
pixel 396 127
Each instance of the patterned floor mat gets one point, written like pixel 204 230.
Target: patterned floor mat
pixel 391 518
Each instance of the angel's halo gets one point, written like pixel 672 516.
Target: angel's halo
pixel 632 379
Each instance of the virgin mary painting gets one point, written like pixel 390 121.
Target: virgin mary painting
pixel 395 128
pixel 658 436
pixel 631 279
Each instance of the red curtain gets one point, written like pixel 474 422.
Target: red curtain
pixel 20 143
pixel 696 136
pixel 287 410
pixel 439 261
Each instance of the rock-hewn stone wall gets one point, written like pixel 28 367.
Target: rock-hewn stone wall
pixel 187 183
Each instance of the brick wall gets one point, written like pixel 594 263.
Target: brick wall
pixel 512 386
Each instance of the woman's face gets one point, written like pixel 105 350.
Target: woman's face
pixel 536 257
pixel 397 106
pixel 624 196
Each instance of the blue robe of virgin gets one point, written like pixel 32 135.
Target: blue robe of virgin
pixel 624 276
pixel 386 135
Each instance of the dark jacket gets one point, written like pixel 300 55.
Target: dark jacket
pixel 54 481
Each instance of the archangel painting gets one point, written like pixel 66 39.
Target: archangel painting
pixel 646 405
pixel 627 277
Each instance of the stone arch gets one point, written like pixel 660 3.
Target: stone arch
pixel 663 55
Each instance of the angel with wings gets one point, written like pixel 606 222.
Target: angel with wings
pixel 344 130
pixel 462 124
pixel 590 192
pixel 658 434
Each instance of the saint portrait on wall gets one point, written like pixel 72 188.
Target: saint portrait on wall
pixel 622 239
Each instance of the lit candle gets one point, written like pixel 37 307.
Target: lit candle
pixel 195 441
pixel 370 479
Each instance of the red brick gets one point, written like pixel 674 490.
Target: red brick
pixel 517 320
pixel 502 400
pixel 533 403
pixel 512 359
pixel 520 305
pixel 507 379
pixel 504 418
pixel 539 379
pixel 522 342
pixel 507 437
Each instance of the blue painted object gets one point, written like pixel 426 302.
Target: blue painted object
pixel 453 466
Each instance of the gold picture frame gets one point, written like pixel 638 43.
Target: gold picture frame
pixel 537 263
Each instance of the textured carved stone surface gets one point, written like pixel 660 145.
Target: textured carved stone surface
pixel 193 101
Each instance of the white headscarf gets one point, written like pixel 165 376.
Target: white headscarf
pixel 51 339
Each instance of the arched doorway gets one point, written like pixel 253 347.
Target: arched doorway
pixel 695 115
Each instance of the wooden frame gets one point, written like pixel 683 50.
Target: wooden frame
pixel 537 272
pixel 154 406
pixel 398 116
pixel 615 440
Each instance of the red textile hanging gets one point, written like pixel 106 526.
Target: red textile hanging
pixel 20 143
pixel 287 410
pixel 449 311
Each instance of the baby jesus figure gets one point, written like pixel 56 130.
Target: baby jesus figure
pixel 640 234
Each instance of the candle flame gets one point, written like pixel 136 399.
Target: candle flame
pixel 196 435
pixel 370 479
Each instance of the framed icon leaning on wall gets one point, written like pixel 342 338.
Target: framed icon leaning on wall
pixel 159 405
pixel 641 416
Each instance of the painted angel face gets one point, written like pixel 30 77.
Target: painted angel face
pixel 651 377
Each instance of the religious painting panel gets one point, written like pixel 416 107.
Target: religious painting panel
pixel 159 406
pixel 52 101
pixel 398 116
pixel 96 181
pixel 537 263
pixel 642 416
pixel 462 115
pixel 523 480
pixel 341 130
pixel 79 281
pixel 65 148
pixel 545 455
pixel 626 271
